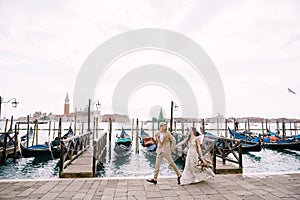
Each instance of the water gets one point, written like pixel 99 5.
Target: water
pixel 139 165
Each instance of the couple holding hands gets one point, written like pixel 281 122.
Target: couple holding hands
pixel 166 143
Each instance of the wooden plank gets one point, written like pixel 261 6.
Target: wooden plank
pixel 81 167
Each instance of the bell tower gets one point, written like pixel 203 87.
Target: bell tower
pixel 67 106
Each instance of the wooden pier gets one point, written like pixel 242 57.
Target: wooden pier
pixel 78 158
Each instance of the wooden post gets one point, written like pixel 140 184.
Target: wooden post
pixel 75 121
pixel 290 128
pixel 193 124
pixel 4 156
pixel 226 128
pixel 175 128
pixel 89 115
pixel 240 155
pixel 27 135
pixel 110 130
pixel 171 120
pixel 16 142
pixel 33 136
pixel 37 132
pixel 94 130
pixel 283 129
pixel 267 126
pixel 97 128
pixel 62 160
pixel 296 128
pixel 137 137
pixel 218 134
pixel 53 130
pixel 234 128
pixel 5 141
pixel 215 158
pixel 262 130
pixel 153 128
pixel 223 153
pixel 82 127
pixel 4 146
pixel 132 128
pixel 59 129
pixel 182 126
pixel 278 129
pixel 49 134
pixel 249 125
pixel 11 123
pixel 203 126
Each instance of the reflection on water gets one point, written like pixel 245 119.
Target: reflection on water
pixel 271 161
pixel 29 168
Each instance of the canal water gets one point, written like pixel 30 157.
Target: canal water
pixel 139 164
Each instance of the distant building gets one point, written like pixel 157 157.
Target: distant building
pixel 67 105
pixel 115 118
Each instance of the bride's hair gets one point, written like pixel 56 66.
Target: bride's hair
pixel 196 133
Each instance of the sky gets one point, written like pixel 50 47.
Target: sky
pixel 254 45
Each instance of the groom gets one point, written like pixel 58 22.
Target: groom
pixel 165 143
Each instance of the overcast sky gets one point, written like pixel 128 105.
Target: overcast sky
pixel 255 46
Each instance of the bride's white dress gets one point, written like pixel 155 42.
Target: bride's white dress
pixel 190 174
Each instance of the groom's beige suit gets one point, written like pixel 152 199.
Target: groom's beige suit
pixel 164 150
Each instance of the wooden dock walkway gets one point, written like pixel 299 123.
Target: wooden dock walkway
pixel 81 167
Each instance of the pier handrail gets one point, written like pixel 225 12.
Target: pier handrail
pixel 99 147
pixel 224 147
pixel 71 148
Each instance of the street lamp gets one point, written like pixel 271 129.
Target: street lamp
pixel 98 106
pixel 171 120
pixel 13 101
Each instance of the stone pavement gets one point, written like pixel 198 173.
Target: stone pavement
pixel 220 187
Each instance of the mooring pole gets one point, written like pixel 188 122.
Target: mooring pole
pixel 234 122
pixel 226 128
pixel 136 137
pixel 171 120
pixel 132 128
pixel 27 135
pixel 110 130
pixel 262 130
pixel 89 115
pixel 16 142
pixel 283 129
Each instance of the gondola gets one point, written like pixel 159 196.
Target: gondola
pixel 251 147
pixel 39 150
pixel 245 136
pixel 250 142
pixel 147 141
pixel 283 144
pixel 44 150
pixel 123 143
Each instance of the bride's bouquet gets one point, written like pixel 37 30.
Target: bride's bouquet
pixel 203 166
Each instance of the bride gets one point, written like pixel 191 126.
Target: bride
pixel 193 173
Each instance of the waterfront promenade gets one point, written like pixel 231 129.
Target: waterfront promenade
pixel 283 186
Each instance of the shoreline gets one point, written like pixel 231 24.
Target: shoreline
pixel 258 175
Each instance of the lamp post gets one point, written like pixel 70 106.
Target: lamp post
pixel 13 101
pixel 171 120
pixel 98 106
